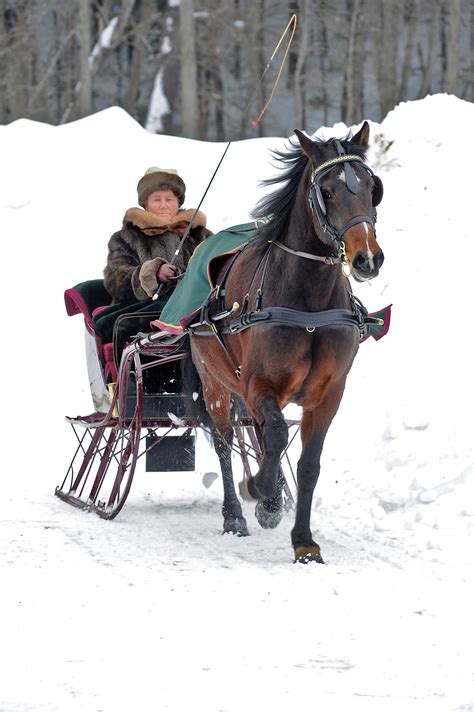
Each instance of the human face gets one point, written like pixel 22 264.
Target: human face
pixel 163 203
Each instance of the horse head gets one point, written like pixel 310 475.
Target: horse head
pixel 343 194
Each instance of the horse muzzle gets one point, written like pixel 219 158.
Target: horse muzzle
pixel 366 265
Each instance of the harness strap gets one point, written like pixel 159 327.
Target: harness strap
pixel 355 221
pixel 307 255
pixel 285 317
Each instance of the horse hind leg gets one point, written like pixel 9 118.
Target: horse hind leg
pixel 234 521
pixel 222 436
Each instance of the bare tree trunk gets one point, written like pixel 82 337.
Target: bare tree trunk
pixel 452 46
pixel 257 65
pixel 412 19
pixel 427 63
pixel 323 53
pixel 102 51
pixel 132 90
pixel 84 37
pixel 4 58
pixel 352 100
pixel 299 8
pixel 299 93
pixel 189 101
pixel 470 88
pixel 16 68
pixel 387 54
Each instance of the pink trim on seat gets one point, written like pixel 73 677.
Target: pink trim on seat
pixel 110 368
pixel 76 304
pixel 97 310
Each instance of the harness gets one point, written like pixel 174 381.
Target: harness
pixel 356 317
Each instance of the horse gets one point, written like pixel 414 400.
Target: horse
pixel 298 329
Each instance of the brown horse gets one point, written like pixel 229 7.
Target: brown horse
pixel 294 328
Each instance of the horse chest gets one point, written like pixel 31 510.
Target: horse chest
pixel 328 359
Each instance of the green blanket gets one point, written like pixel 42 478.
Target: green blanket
pixel 195 286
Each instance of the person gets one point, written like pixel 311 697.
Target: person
pixel 141 255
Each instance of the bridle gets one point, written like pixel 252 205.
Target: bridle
pixel 316 200
pixel 319 209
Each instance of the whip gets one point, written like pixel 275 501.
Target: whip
pixel 291 24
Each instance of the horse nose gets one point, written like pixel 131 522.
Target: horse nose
pixel 367 263
pixel 379 258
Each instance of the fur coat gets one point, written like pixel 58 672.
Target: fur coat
pixel 145 242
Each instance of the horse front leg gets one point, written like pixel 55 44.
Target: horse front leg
pixel 269 511
pixel 264 408
pixel 314 427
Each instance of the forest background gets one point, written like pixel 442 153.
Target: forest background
pixel 190 68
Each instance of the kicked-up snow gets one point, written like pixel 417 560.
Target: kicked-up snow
pixel 157 610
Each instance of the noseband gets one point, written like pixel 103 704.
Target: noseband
pixel 316 200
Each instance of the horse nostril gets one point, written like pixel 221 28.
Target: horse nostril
pixel 360 261
pixel 365 264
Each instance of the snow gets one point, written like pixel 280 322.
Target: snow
pixel 105 41
pixel 156 610
pixel 159 105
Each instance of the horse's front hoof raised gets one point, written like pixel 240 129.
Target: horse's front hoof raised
pixel 307 554
pixel 235 525
pixel 262 490
pixel 269 517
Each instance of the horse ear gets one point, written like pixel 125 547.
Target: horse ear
pixel 362 137
pixel 306 143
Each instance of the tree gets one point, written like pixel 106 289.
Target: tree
pixel 188 73
pixel 84 40
pixel 352 97
pixel 453 12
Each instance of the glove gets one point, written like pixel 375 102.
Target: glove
pixel 165 272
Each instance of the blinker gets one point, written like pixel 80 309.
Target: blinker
pixel 317 199
pixel 349 173
pixel 351 179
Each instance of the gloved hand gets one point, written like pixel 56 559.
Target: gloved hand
pixel 165 272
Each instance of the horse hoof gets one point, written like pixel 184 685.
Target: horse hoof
pixel 307 554
pixel 267 518
pixel 235 525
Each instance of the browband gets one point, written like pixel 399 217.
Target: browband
pixel 334 161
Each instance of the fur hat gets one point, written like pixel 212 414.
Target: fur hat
pixel 160 179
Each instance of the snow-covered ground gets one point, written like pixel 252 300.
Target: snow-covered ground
pixel 157 610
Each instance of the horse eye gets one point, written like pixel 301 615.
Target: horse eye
pixel 326 194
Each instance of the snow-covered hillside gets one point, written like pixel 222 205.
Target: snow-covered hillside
pixel 156 610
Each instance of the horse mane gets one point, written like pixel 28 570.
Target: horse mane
pixel 275 208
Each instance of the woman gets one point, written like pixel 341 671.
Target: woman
pixel 140 254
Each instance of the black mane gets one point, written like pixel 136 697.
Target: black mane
pixel 276 207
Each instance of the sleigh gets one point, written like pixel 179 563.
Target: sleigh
pixel 141 419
